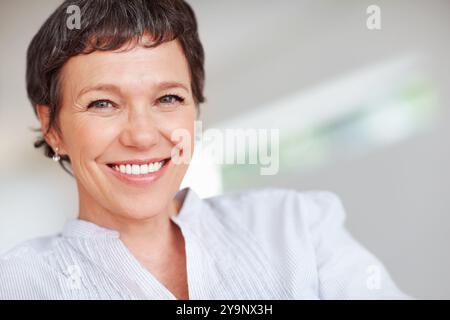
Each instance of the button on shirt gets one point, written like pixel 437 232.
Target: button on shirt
pixel 258 244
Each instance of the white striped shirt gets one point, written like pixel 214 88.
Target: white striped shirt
pixel 259 244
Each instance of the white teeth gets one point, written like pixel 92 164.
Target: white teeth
pixel 136 169
pixel 144 169
pixel 157 166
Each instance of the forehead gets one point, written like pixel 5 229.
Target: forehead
pixel 135 67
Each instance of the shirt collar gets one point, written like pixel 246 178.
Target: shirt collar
pixel 78 228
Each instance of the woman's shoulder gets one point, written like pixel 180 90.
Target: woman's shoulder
pixel 20 264
pixel 30 249
pixel 268 210
pixel 27 255
pixel 274 201
pixel 273 194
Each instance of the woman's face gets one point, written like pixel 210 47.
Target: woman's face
pixel 119 112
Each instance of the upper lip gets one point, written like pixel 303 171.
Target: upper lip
pixel 138 161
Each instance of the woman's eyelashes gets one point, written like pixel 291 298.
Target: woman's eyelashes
pixel 168 99
pixel 100 104
pixel 171 99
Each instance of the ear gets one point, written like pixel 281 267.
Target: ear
pixel 52 137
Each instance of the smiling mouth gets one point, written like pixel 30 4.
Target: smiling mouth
pixel 140 168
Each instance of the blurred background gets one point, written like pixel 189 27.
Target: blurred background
pixel 360 112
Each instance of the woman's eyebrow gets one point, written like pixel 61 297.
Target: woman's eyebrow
pixel 170 85
pixel 114 88
pixel 99 87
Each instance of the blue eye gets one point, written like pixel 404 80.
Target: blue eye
pixel 170 99
pixel 100 104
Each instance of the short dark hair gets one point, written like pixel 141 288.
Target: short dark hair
pixel 106 25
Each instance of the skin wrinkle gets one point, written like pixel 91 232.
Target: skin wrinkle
pixel 140 127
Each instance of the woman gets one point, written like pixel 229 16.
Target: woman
pixel 109 96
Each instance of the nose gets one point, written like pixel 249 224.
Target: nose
pixel 140 131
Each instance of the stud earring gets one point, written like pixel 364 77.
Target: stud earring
pixel 56 156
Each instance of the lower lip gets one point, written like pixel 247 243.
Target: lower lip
pixel 141 180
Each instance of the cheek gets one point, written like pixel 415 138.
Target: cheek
pixel 181 123
pixel 178 130
pixel 86 137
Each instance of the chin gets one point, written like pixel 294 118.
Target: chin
pixel 143 208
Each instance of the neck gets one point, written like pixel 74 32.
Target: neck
pixel 148 239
